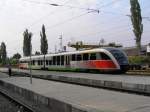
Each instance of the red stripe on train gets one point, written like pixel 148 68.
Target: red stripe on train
pixel 103 64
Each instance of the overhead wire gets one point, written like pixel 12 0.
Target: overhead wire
pixel 75 17
pixel 89 11
pixel 42 18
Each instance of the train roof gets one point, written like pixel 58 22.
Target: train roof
pixel 71 52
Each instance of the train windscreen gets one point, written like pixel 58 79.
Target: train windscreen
pixel 120 56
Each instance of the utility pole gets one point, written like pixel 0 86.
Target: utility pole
pixel 61 46
pixel 55 48
pixel 30 66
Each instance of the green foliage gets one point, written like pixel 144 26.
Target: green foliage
pixel 3 53
pixel 44 44
pixel 27 46
pixel 136 22
pixel 37 53
pixel 139 59
pixel 16 56
pixel 13 61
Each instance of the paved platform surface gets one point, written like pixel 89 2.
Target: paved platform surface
pixel 96 99
pixel 3 75
pixel 108 77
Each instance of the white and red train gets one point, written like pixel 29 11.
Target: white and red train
pixel 99 59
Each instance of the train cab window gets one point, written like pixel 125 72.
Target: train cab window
pixel 93 56
pixel 86 56
pixel 104 56
pixel 54 60
pixel 79 57
pixel 73 57
pixel 58 60
pixel 62 60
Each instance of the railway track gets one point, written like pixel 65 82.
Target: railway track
pixel 17 104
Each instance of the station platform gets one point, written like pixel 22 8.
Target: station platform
pixel 63 97
pixel 134 83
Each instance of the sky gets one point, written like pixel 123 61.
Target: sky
pixel 72 20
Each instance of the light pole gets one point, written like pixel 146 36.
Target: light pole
pixel 30 61
pixel 30 68
pixel 61 46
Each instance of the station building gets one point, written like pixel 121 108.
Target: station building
pixel 132 51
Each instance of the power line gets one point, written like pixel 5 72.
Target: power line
pixel 44 17
pixel 90 10
pixel 126 15
pixel 70 19
pixel 62 5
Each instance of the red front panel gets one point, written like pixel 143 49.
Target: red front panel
pixel 23 65
pixel 95 64
pixel 103 64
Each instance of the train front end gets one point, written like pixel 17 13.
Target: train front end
pixel 120 58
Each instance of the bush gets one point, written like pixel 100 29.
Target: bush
pixel 139 59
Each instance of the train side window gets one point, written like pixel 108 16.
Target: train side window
pixel 54 60
pixel 46 62
pixel 73 57
pixel 30 62
pixel 98 56
pixel 41 62
pixel 79 57
pixel 38 62
pixel 62 60
pixel 93 56
pixel 33 62
pixel 104 56
pixel 86 56
pixel 50 62
pixel 58 60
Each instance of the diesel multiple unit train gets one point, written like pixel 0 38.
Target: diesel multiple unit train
pixel 100 59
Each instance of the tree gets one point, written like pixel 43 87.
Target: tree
pixel 15 59
pixel 16 56
pixel 44 44
pixel 27 46
pixel 37 53
pixel 102 41
pixel 3 53
pixel 136 22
